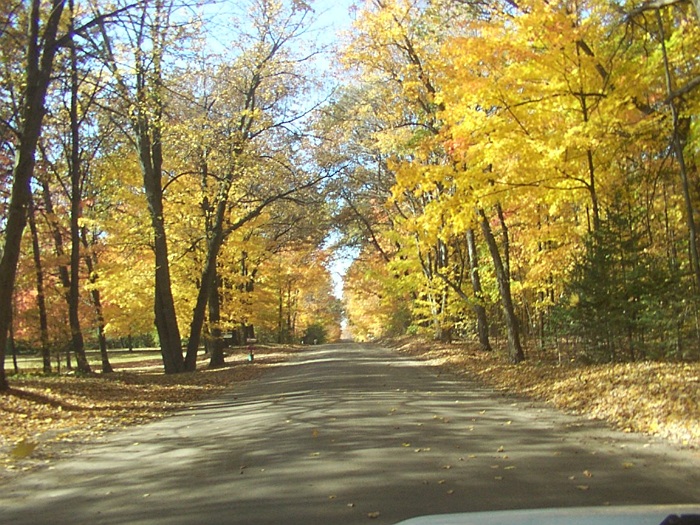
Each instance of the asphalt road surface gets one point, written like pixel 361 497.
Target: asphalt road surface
pixel 351 434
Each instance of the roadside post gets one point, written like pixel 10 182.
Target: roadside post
pixel 251 348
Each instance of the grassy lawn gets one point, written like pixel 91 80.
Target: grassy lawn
pixel 117 357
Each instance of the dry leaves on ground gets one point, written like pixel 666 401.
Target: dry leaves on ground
pixel 42 418
pixel 661 399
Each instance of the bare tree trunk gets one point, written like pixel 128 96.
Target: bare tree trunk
pixel 280 315
pixel 38 68
pixel 506 239
pixel 40 295
pixel 11 342
pixel 102 338
pixel 164 304
pixel 63 271
pixel 90 262
pixel 150 149
pixel 151 158
pixel 482 324
pixel 217 342
pixel 204 295
pixel 75 205
pixel 515 350
pixel 678 147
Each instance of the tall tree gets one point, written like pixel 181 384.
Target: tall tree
pixel 40 295
pixel 150 31
pixel 41 39
pixel 251 142
pixel 75 169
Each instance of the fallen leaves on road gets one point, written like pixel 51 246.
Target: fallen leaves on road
pixel 44 417
pixel 23 449
pixel 661 399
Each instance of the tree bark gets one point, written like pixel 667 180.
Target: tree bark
pixel 481 318
pixel 164 304
pixel 40 295
pixel 63 270
pixel 205 289
pixel 90 261
pixel 38 68
pixel 678 150
pixel 75 210
pixel 217 343
pixel 101 337
pixel 515 350
pixel 11 343
pixel 505 235
pixel 280 315
pixel 150 156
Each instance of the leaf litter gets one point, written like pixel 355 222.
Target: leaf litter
pixel 43 418
pixel 655 398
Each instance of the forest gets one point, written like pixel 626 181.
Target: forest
pixel 518 174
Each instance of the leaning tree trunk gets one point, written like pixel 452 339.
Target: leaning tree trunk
pixel 677 141
pixel 515 350
pixel 90 261
pixel 38 68
pixel 150 150
pixel 164 303
pixel 207 281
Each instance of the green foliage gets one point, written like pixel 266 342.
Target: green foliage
pixel 625 302
pixel 315 334
pixel 559 117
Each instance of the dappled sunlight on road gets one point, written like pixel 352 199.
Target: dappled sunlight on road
pixel 342 432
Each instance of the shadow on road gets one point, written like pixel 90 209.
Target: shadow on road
pixel 344 432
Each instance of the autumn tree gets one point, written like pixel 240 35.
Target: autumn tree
pixel 395 47
pixel 541 128
pixel 151 33
pixel 549 124
pixel 247 160
pixel 40 43
pixel 67 150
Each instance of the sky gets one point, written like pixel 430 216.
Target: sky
pixel 333 13
pixel 334 16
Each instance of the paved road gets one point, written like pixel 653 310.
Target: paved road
pixel 339 434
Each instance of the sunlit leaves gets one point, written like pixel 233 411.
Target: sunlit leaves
pixel 654 398
pixel 557 114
